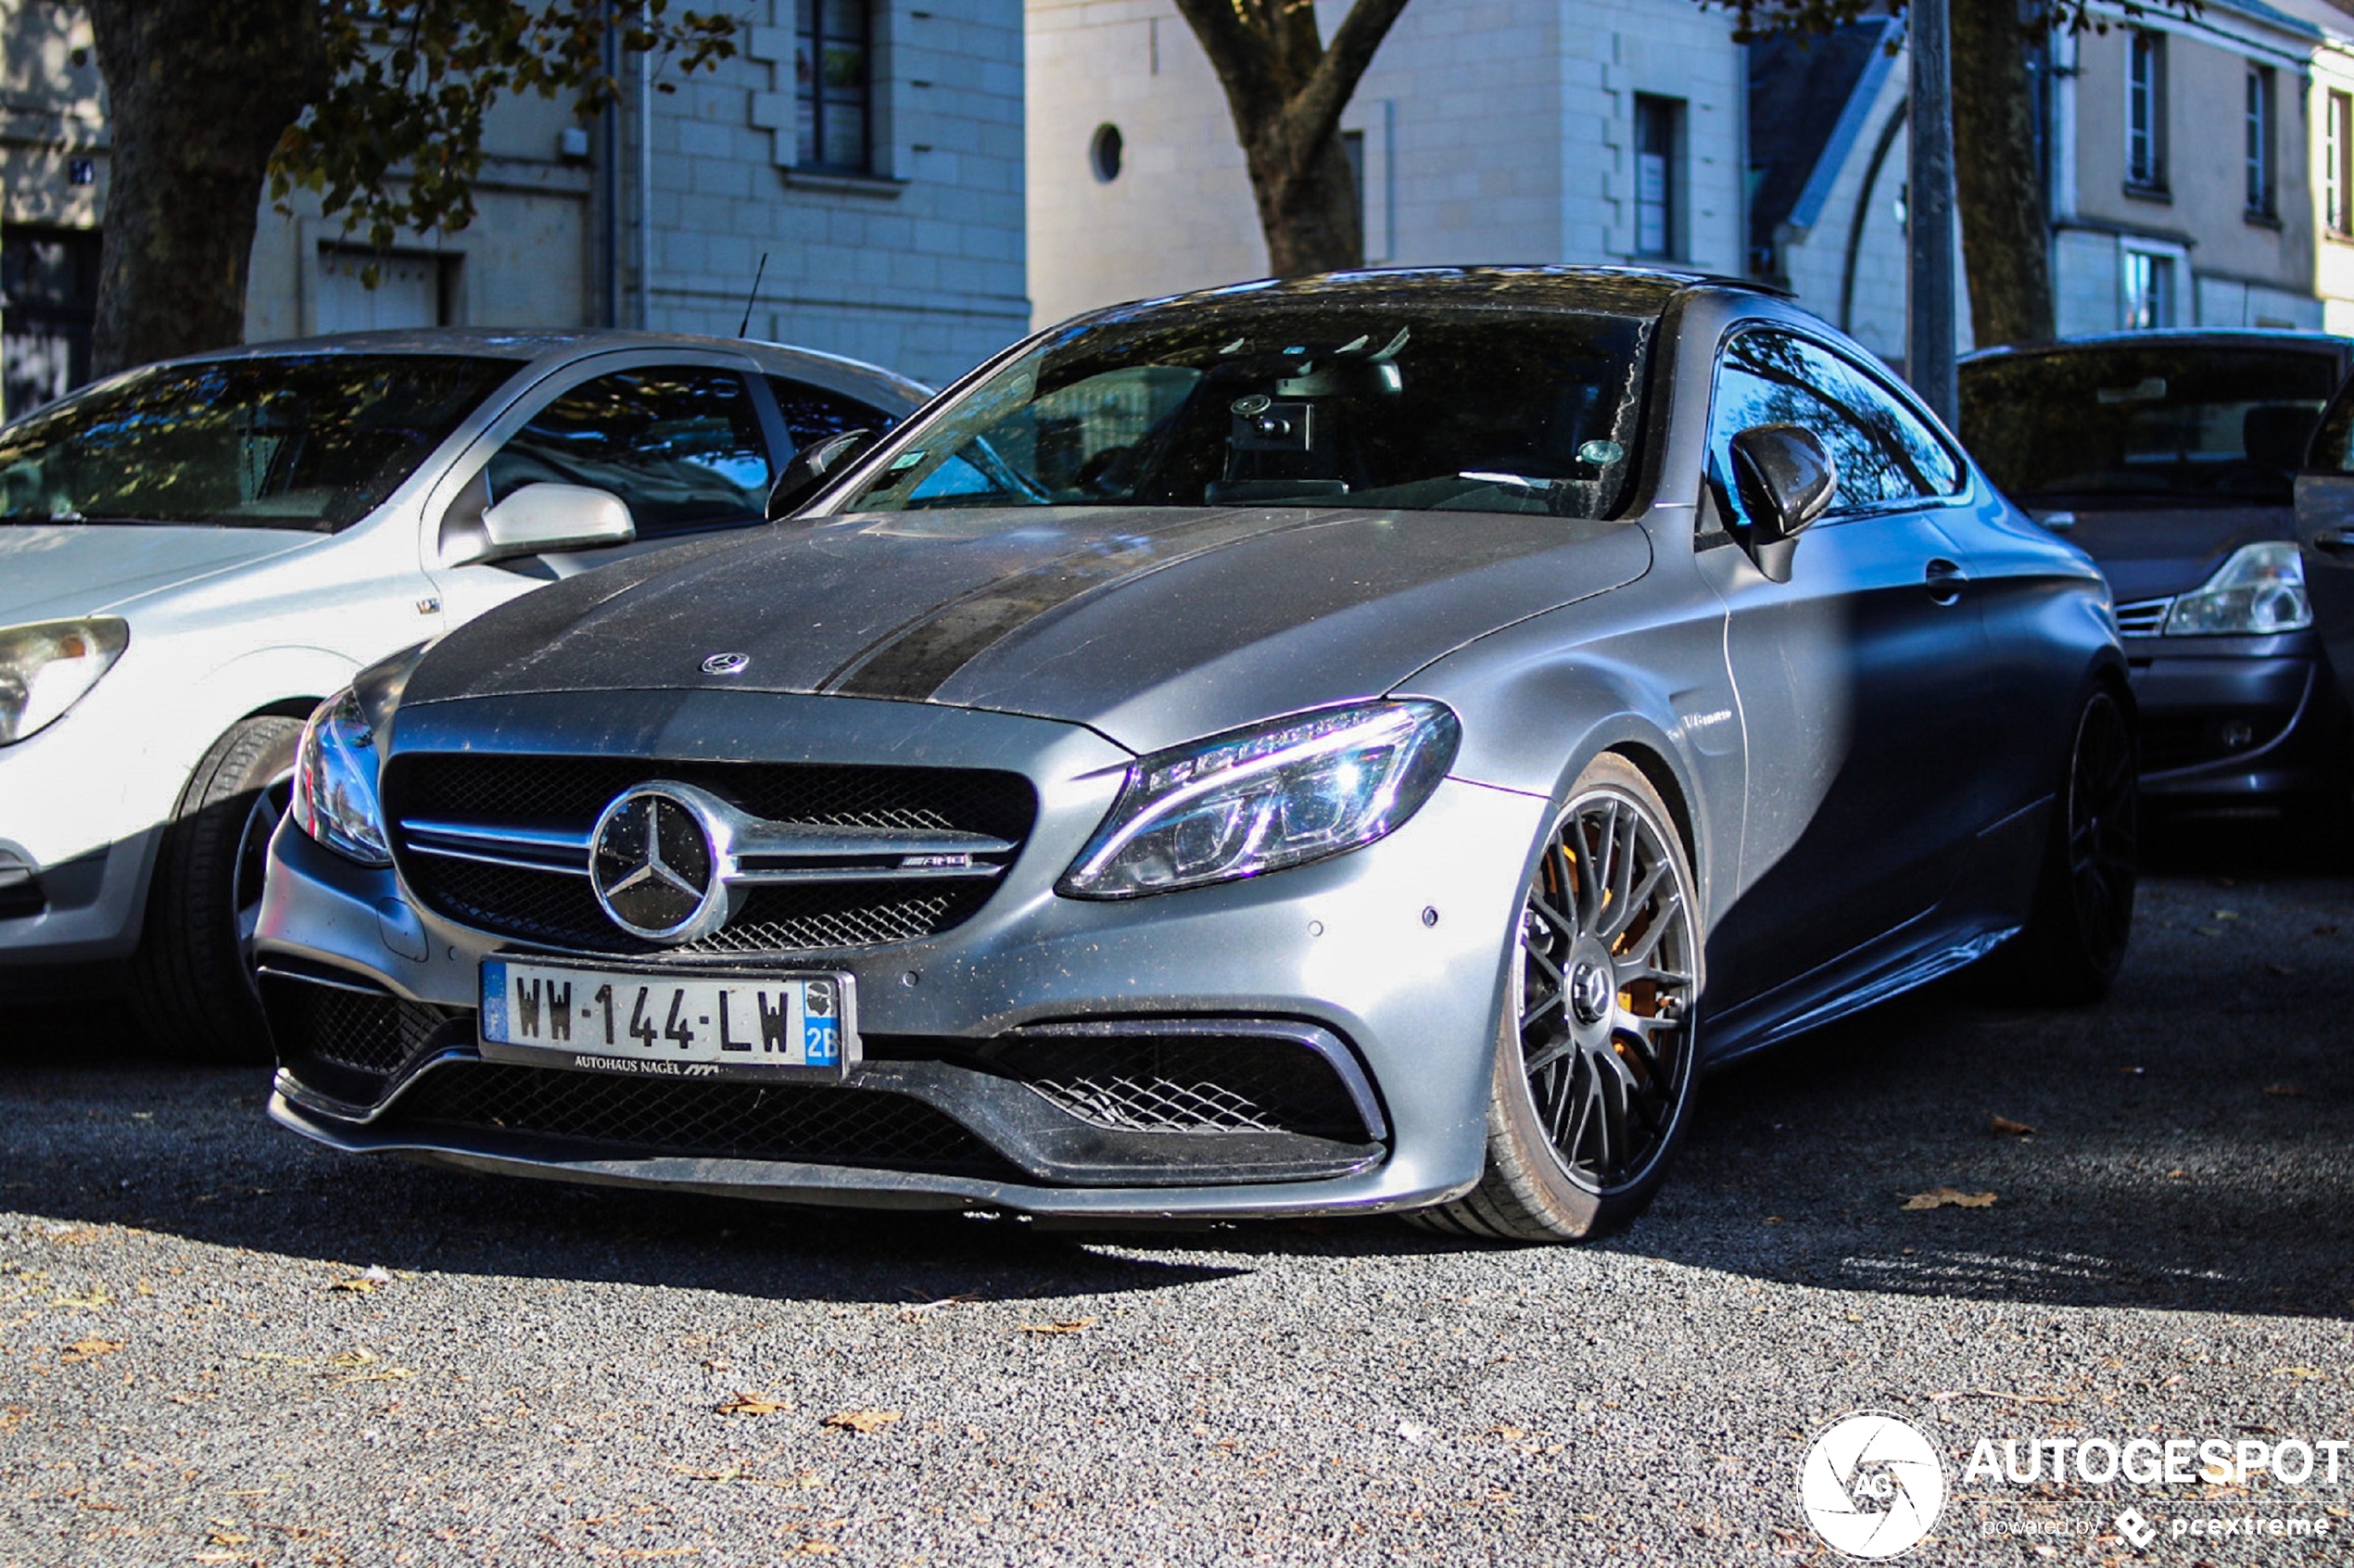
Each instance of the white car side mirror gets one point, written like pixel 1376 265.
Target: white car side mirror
pixel 545 517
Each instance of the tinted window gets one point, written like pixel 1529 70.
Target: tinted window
pixel 681 446
pixel 2187 423
pixel 312 442
pixel 1883 453
pixel 812 413
pixel 1294 404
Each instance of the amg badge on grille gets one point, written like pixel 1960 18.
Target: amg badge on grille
pixel 654 866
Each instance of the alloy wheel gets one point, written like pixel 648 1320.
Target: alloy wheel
pixel 2103 827
pixel 1604 990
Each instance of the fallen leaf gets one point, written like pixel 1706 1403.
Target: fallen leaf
pixel 2286 1091
pixel 226 1537
pixel 217 1557
pixel 87 1350
pixel 861 1421
pixel 2225 915
pixel 748 1403
pixel 2008 1127
pixel 97 1297
pixel 817 1548
pixel 1776 1219
pixel 65 1235
pixel 13 1414
pixel 358 1358
pixel 1950 1197
pixel 1060 1325
pixel 2297 1373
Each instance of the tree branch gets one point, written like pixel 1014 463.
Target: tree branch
pixel 1315 113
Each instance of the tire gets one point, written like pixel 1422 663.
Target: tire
pixel 2073 943
pixel 192 979
pixel 1602 1004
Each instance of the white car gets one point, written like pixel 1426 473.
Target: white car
pixel 193 554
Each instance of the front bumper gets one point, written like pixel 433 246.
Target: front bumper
pixel 2236 720
pixel 1392 953
pixel 74 854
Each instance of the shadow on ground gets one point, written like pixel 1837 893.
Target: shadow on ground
pixel 2192 1147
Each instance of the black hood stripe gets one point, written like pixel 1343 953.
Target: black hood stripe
pixel 915 659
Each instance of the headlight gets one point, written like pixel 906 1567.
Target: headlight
pixel 2259 590
pixel 1266 798
pixel 45 669
pixel 334 783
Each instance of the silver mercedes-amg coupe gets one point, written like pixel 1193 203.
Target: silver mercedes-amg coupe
pixel 1347 744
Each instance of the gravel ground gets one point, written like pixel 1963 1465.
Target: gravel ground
pixel 220 1345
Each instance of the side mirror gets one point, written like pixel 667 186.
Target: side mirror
pixel 1786 481
pixel 545 517
pixel 2325 518
pixel 806 474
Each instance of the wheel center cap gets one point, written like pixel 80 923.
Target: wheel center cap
pixel 1590 991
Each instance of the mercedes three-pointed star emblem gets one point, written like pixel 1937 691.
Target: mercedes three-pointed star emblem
pixel 654 865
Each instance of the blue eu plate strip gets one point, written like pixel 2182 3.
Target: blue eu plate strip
pixel 494 1000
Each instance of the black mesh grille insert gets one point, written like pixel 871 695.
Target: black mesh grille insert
pixel 812 1123
pixel 559 910
pixel 1187 1084
pixel 363 1034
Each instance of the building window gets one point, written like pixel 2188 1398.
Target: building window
pixel 2145 111
pixel 2337 164
pixel 2148 290
pixel 1104 152
pixel 2260 141
pixel 1658 122
pixel 830 71
pixel 50 290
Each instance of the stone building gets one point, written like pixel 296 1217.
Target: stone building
pixel 1500 131
pixel 870 149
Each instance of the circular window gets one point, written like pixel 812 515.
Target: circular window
pixel 1103 153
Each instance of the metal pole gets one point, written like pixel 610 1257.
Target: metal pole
pixel 1929 334
pixel 608 177
pixel 645 181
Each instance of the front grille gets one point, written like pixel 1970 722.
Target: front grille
pixel 808 1123
pixel 565 795
pixel 1185 1083
pixel 2143 617
pixel 362 1037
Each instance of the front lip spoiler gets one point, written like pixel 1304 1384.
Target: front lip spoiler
pixel 1362 1193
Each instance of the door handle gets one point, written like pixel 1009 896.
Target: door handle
pixel 2333 541
pixel 1944 579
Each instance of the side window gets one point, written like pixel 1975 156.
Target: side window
pixel 682 445
pixel 1882 453
pixel 812 413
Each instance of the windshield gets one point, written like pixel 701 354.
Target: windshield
pixel 1295 405
pixel 309 442
pixel 2194 424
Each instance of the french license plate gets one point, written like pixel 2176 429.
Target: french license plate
pixel 680 1026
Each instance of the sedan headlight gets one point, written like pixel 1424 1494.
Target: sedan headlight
pixel 334 783
pixel 1266 798
pixel 47 667
pixel 2259 590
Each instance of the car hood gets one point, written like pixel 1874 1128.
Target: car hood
pixel 2168 551
pixel 52 571
pixel 1153 625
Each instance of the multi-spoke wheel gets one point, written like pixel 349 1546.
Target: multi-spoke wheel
pixel 192 973
pixel 1593 1077
pixel 2074 940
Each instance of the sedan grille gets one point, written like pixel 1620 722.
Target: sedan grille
pixel 807 1123
pixel 2143 617
pixel 501 845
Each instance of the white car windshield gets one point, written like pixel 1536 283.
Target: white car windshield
pixel 309 442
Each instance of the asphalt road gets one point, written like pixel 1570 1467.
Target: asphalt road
pixel 218 1344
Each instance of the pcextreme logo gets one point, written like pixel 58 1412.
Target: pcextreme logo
pixel 1871 1485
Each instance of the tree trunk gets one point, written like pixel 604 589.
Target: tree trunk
pixel 1999 188
pixel 198 92
pixel 1286 91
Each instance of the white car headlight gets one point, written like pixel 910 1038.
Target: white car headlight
pixel 47 667
pixel 2259 590
pixel 334 783
pixel 1276 795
